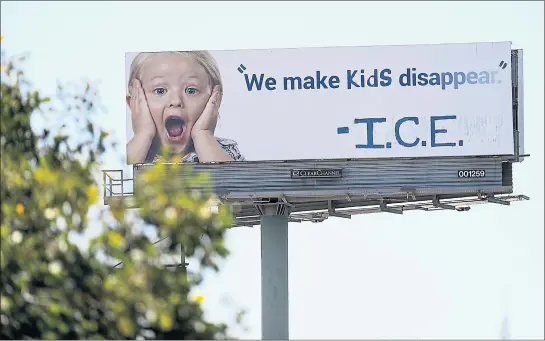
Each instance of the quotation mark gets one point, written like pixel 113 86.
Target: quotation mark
pixel 241 68
pixel 503 64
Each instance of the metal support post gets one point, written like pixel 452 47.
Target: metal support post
pixel 274 274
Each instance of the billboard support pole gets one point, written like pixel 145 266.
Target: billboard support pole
pixel 274 273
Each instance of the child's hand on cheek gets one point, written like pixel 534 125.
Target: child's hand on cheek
pixel 206 123
pixel 142 122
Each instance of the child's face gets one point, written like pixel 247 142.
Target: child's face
pixel 177 90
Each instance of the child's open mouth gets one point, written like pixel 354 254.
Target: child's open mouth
pixel 175 128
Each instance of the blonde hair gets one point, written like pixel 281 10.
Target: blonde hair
pixel 204 58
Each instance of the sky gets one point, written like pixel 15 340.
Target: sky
pixel 420 275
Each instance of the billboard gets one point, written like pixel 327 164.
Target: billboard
pixel 321 103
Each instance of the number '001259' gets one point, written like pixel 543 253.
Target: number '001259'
pixel 473 173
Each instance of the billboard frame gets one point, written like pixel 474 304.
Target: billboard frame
pixel 516 151
pixel 517 70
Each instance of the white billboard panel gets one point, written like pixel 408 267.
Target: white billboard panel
pixel 321 103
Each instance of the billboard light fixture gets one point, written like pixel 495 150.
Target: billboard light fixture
pixel 495 200
pixel 332 213
pixel 385 208
pixel 439 204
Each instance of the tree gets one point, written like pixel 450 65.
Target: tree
pixel 53 288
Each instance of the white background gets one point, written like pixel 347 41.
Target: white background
pixel 302 124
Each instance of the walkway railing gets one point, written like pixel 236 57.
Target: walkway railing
pixel 116 184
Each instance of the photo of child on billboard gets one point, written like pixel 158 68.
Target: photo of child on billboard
pixel 174 99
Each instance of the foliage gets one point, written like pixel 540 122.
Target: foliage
pixel 53 288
